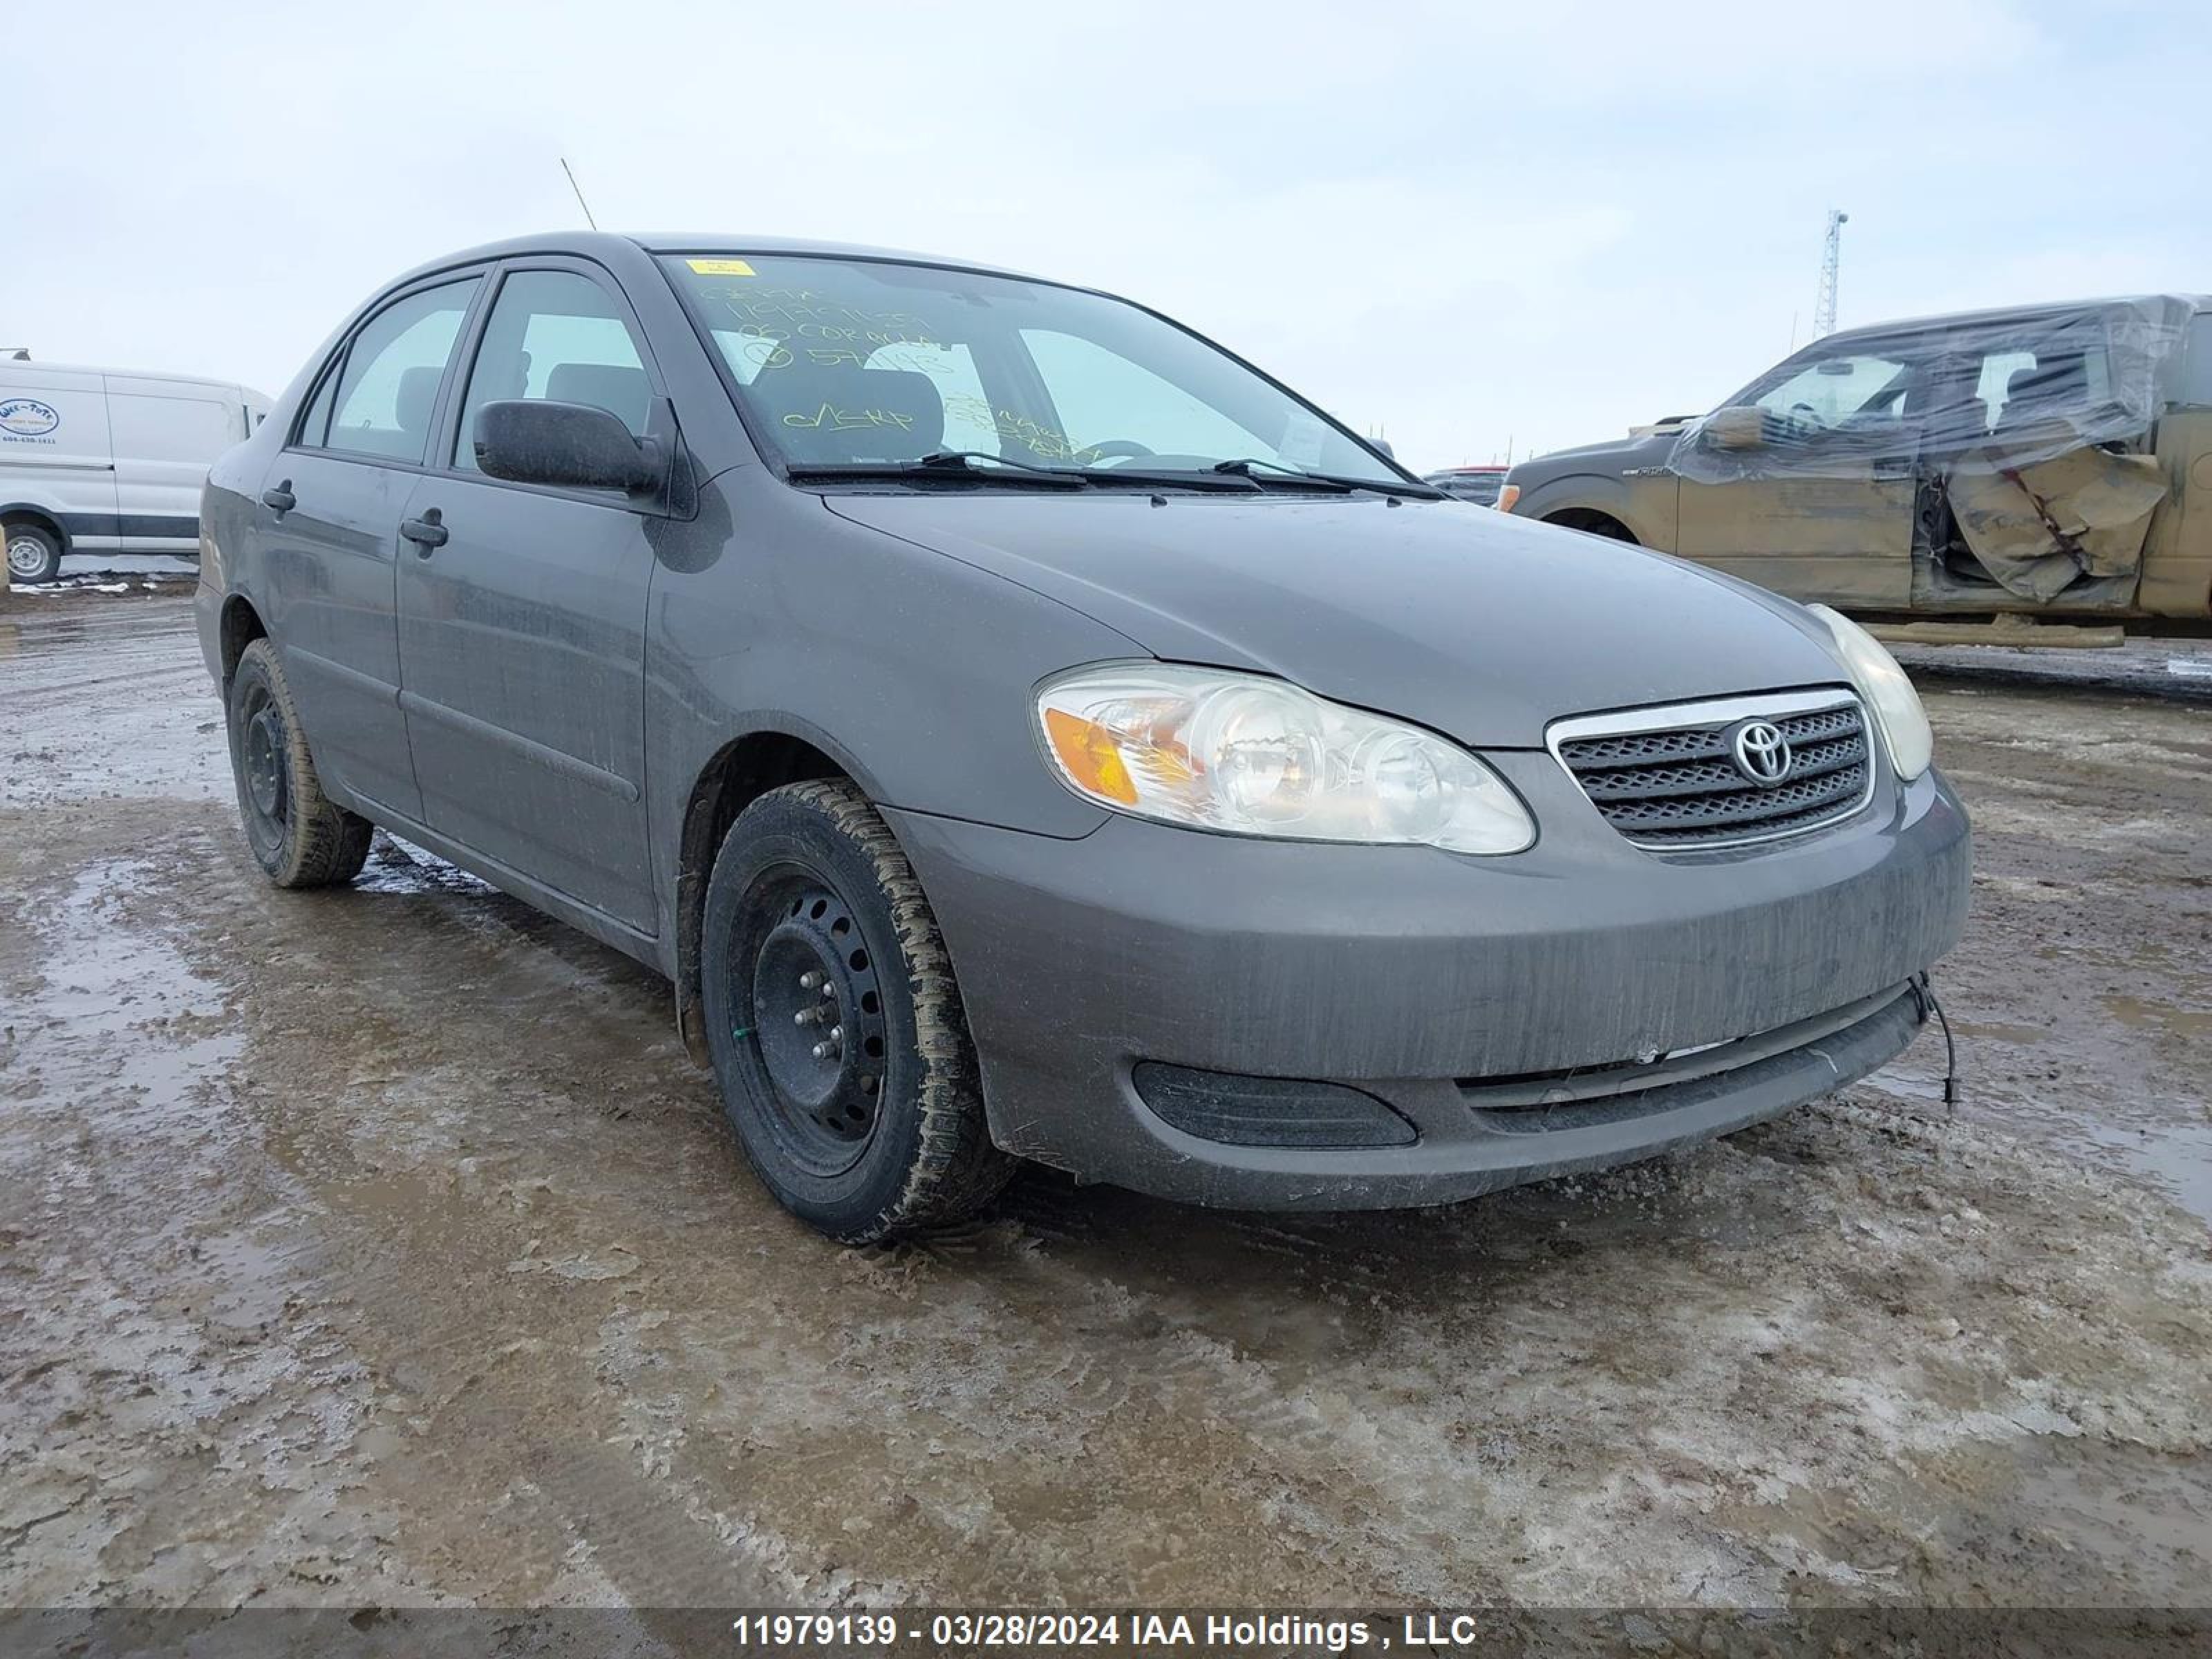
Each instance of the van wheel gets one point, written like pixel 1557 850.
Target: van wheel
pixel 299 837
pixel 835 1024
pixel 34 554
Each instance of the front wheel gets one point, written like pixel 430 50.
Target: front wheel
pixel 299 836
pixel 34 553
pixel 835 1023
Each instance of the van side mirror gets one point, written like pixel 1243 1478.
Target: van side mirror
pixel 576 446
pixel 1739 426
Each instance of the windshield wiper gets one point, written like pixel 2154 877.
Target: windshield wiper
pixel 1248 467
pixel 964 460
pixel 1102 476
pixel 981 465
pixel 944 463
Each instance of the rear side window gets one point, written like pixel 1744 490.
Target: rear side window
pixel 388 390
pixel 2196 370
pixel 559 336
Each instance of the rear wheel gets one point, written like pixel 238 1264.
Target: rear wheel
pixel 835 1024
pixel 299 836
pixel 35 553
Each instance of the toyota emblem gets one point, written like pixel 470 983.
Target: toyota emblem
pixel 1762 753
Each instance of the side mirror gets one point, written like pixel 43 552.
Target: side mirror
pixel 1739 426
pixel 574 445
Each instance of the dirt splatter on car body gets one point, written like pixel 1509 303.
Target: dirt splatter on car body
pixel 382 1247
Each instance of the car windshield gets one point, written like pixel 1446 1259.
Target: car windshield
pixel 873 364
pixel 1479 487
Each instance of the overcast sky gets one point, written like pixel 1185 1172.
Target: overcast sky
pixel 1460 226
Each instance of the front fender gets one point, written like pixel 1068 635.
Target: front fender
pixel 914 671
pixel 1645 504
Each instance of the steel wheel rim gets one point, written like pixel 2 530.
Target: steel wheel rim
pixel 808 1023
pixel 263 778
pixel 26 556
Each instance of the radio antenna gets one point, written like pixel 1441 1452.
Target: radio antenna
pixel 579 189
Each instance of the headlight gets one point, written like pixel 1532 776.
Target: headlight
pixel 1896 705
pixel 1247 755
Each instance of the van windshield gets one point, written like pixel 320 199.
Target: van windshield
pixel 871 363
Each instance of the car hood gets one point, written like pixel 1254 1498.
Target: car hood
pixel 1608 455
pixel 1480 626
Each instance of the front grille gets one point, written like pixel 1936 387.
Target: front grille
pixel 1669 785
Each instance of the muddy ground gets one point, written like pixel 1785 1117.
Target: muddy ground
pixel 381 1248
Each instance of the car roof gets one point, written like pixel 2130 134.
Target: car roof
pixel 1999 316
pixel 600 243
pixel 37 366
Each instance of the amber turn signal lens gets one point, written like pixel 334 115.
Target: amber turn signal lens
pixel 1091 757
pixel 1507 495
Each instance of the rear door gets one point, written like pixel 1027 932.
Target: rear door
pixel 522 633
pixel 1807 485
pixel 329 523
pixel 167 433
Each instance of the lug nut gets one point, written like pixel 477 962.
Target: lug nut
pixel 809 980
pixel 836 1033
pixel 828 989
pixel 821 1051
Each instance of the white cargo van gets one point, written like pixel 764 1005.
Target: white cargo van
pixel 96 460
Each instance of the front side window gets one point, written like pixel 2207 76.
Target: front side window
pixel 1850 390
pixel 387 393
pixel 855 361
pixel 560 336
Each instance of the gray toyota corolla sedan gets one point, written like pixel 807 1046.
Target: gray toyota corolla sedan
pixel 1021 729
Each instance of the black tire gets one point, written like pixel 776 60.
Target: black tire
pixel 35 553
pixel 886 1135
pixel 299 836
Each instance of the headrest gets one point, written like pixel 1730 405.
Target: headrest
pixel 624 393
pixel 415 397
pixel 844 413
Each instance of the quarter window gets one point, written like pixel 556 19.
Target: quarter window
pixel 315 424
pixel 388 391
pixel 555 335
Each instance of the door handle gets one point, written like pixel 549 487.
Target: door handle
pixel 280 500
pixel 427 533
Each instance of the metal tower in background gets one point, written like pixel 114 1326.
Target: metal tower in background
pixel 1832 255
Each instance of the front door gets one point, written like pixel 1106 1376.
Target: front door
pixel 1807 487
pixel 522 630
pixel 329 520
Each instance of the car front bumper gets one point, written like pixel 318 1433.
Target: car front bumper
pixel 1499 1006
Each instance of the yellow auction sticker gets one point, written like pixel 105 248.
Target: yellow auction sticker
pixel 722 267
